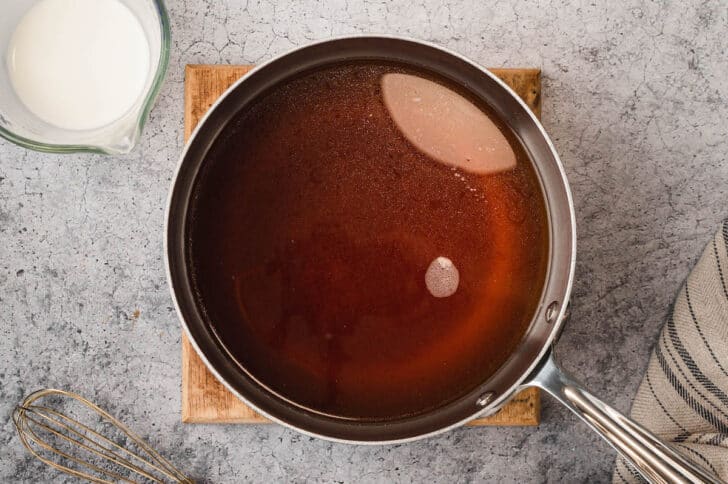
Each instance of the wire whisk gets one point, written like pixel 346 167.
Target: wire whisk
pixel 64 443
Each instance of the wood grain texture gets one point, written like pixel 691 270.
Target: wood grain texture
pixel 204 398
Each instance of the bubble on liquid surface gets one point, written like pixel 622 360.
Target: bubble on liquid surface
pixel 442 277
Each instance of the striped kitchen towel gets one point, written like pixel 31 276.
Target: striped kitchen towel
pixel 684 395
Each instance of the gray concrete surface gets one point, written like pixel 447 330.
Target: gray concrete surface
pixel 636 100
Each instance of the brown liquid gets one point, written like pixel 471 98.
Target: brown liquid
pixel 313 224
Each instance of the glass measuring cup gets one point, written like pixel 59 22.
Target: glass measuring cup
pixel 21 126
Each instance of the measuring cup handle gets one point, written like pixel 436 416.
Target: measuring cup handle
pixel 655 460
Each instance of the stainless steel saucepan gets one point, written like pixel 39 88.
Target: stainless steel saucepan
pixel 532 364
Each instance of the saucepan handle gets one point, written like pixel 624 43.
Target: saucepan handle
pixel 655 460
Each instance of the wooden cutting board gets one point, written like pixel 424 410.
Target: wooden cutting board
pixel 204 398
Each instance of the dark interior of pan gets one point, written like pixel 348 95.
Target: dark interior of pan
pixel 480 83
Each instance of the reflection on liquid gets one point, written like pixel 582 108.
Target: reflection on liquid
pixel 446 126
pixel 442 277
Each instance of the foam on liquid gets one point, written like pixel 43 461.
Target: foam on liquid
pixel 79 64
